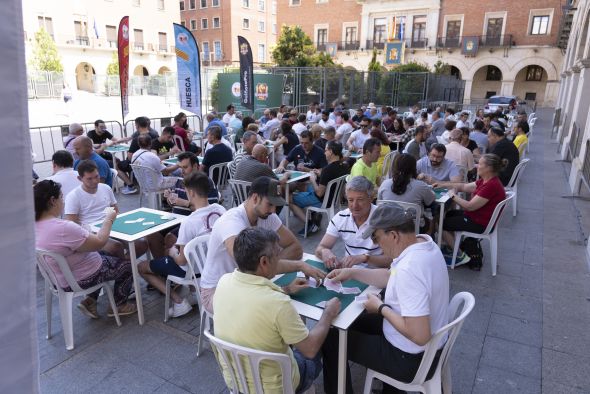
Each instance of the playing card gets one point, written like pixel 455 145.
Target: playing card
pixel 350 290
pixel 130 221
pixel 312 282
pixel 148 223
pixel 140 220
pixel 166 217
pixel 361 298
pixel 300 274
pixel 321 304
pixel 332 285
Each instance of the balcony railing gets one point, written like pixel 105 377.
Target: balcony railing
pixel 163 48
pixel 82 40
pixel 341 45
pixel 138 46
pixel 503 41
pixel 375 44
pixel 416 43
pixel 112 43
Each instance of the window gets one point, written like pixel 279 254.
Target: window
pixel 216 23
pixel 379 32
pixel 530 96
pixel 322 36
pixel 493 73
pixel 534 73
pixel 453 29
pixel 192 4
pixel 261 26
pixel 246 3
pixel 183 23
pixel 214 3
pixel 261 5
pixel 400 27
pixel 136 3
pixel 162 42
pixel 206 53
pixel 494 31
pixel 161 4
pixel 111 36
pixel 321 1
pixel 47 24
pixel 350 39
pixel 217 48
pixel 540 25
pixel 81 33
pixel 245 23
pixel 274 28
pixel 182 5
pixel 261 53
pixel 490 94
pixel 204 23
pixel 193 24
pixel 419 31
pixel 294 2
pixel 138 36
pixel 203 3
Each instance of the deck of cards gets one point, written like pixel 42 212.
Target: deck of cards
pixel 338 288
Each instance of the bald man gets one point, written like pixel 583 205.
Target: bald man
pixel 254 166
pixel 75 130
pixel 85 151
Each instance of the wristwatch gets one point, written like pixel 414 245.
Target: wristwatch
pixel 380 309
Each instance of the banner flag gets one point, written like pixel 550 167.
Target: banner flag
pixel 123 52
pixel 246 73
pixel 188 67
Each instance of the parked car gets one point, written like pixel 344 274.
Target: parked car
pixel 505 102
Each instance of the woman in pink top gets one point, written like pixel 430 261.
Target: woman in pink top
pixel 80 249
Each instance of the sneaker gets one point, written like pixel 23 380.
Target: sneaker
pixel 462 258
pixel 181 309
pixel 302 231
pixel 128 189
pixel 193 299
pixel 446 251
pixel 123 310
pixel 313 229
pixel 88 307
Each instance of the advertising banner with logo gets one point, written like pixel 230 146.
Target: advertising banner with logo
pixel 268 91
pixel 246 73
pixel 394 52
pixel 188 67
pixel 123 52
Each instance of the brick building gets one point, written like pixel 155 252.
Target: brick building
pixel 216 24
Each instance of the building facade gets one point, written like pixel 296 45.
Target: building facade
pixel 216 24
pixel 85 33
pixel 497 47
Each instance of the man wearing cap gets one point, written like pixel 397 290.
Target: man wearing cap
pixel 501 146
pixel 257 211
pixel 457 153
pixel 349 225
pixel 392 336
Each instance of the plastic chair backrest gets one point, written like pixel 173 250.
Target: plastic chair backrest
pixel 388 163
pixel 233 358
pixel 48 269
pixel 497 214
pixel 222 174
pixel 239 190
pixel 463 171
pixel 345 138
pixel 148 178
pixel 196 252
pixel 456 320
pixel 333 192
pixel 179 142
pixel 531 116
pixel 522 150
pixel 517 171
pixel 407 205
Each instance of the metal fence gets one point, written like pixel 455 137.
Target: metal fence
pixel 45 84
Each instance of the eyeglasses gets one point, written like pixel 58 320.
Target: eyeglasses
pixel 365 126
pixel 375 237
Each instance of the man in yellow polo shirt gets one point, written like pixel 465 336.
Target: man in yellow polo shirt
pixel 251 311
pixel 367 165
pixel 521 130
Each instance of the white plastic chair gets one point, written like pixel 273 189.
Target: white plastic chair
pixel 232 358
pixel 523 149
pixel 387 163
pixel 149 185
pixel 531 116
pixel 239 190
pixel 334 190
pixel 66 298
pixel 442 374
pixel 532 122
pixel 490 233
pixel 115 180
pixel 407 205
pixel 513 183
pixel 195 252
pixel 222 174
pixel 179 142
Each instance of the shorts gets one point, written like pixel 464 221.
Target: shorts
pixel 165 266
pixel 307 198
pixel 456 220
pixel 173 231
pixel 124 165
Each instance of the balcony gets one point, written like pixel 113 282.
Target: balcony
pixel 417 43
pixel 375 44
pixel 565 25
pixel 162 48
pixel 501 41
pixel 138 46
pixel 82 40
pixel 340 45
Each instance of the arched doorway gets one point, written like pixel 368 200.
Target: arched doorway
pixel 530 83
pixel 85 77
pixel 163 70
pixel 455 72
pixel 141 71
pixel 487 82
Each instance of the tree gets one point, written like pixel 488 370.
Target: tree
pixel 411 67
pixel 295 49
pixel 374 64
pixel 442 68
pixel 45 56
pixel 113 67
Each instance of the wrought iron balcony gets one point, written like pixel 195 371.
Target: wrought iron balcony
pixel 341 45
pixel 500 41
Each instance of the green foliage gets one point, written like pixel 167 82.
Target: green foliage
pixel 113 67
pixel 412 67
pixel 294 48
pixel 374 65
pixel 442 68
pixel 45 56
pixel 215 92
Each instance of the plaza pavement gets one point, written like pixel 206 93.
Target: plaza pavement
pixel 528 332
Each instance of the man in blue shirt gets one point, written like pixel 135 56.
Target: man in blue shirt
pixel 213 121
pixel 84 150
pixel 306 156
pixel 436 168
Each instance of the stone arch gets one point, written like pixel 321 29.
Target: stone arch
pixel 141 71
pixel 482 88
pixel 85 76
pixel 488 61
pixel 460 65
pixel 533 87
pixel 163 70
pixel 550 68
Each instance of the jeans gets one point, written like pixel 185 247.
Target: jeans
pixel 309 370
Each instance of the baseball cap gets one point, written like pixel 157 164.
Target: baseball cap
pixel 270 188
pixel 388 215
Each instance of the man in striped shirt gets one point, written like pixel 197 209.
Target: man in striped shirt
pixel 349 225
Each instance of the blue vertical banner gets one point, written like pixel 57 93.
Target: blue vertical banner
pixel 246 73
pixel 394 52
pixel 188 67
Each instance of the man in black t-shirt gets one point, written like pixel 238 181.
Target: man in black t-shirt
pixel 163 146
pixel 306 156
pixel 217 154
pixel 99 137
pixel 506 150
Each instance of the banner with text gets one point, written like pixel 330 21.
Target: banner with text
pixel 268 91
pixel 123 52
pixel 246 73
pixel 189 70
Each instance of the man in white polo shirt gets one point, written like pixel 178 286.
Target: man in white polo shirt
pixel 349 225
pixel 257 211
pixel 63 173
